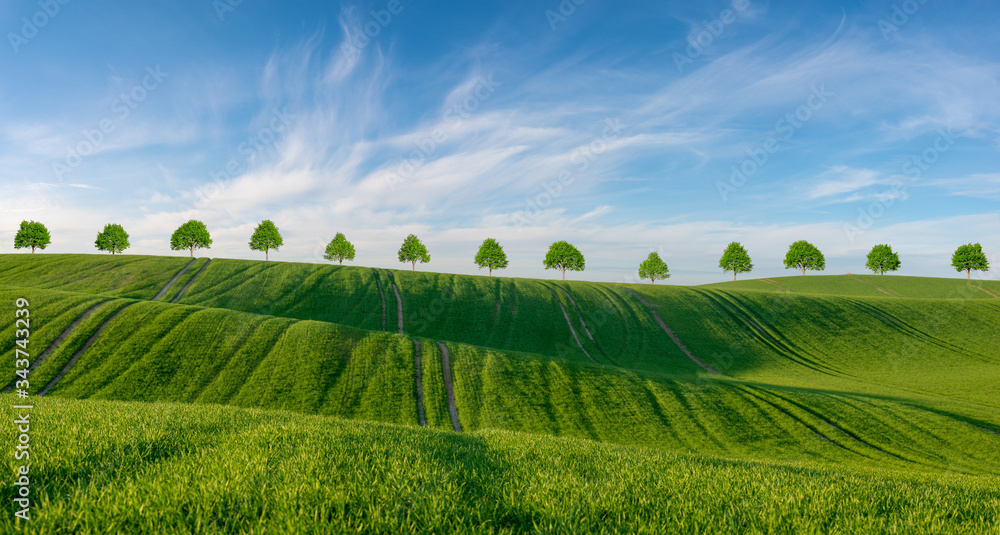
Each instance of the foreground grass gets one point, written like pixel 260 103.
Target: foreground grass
pixel 101 467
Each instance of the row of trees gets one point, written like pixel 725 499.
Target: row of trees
pixel 562 255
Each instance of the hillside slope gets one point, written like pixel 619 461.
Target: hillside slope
pixel 751 374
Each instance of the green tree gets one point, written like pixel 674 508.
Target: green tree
pixel 413 251
pixel 266 237
pixel 113 239
pixel 804 255
pixel 881 259
pixel 653 267
pixel 32 234
pixel 564 256
pixel 339 249
pixel 491 256
pixel 968 257
pixel 735 259
pixel 191 235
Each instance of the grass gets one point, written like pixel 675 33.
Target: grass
pixel 336 294
pixel 139 277
pixel 160 352
pixel 870 285
pixel 722 417
pixel 886 384
pixel 214 469
pixel 157 351
pixel 50 313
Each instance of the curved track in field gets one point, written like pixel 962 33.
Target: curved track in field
pixel 190 282
pixel 420 385
pixel 449 388
pixel 173 280
pixel 82 350
pixel 672 335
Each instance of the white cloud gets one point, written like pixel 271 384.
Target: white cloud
pixel 980 185
pixel 840 180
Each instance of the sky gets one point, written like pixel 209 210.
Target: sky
pixel 621 127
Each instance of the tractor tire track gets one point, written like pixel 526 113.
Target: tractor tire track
pixel 190 282
pixel 173 280
pixel 672 335
pixel 582 322
pixel 778 285
pixel 782 347
pixel 569 323
pixel 586 329
pixel 995 296
pixel 82 350
pixel 906 329
pixel 820 417
pixel 381 294
pixel 56 343
pixel 399 307
pixel 796 419
pixel 449 387
pixel 421 417
pixel 886 291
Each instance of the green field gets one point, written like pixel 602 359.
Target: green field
pixel 858 402
pixel 207 469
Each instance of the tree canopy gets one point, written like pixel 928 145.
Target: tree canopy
pixel 653 267
pixel 881 259
pixel 266 237
pixel 804 255
pixel 112 239
pixel 191 235
pixel 970 257
pixel 491 256
pixel 735 259
pixel 339 249
pixel 562 255
pixel 32 234
pixel 413 251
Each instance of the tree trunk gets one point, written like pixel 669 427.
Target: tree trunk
pixel 734 275
pixel 32 249
pixel 414 265
pixel 803 270
pixel 491 272
pixel 265 255
pixel 968 273
pixel 564 273
pixel 192 251
pixel 341 261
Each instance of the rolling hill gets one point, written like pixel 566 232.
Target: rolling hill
pixel 850 374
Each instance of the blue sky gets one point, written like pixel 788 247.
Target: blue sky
pixel 621 127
